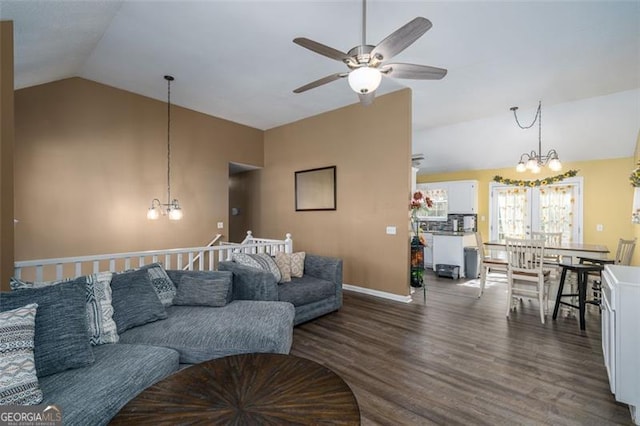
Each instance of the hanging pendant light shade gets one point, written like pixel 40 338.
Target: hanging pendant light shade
pixel 172 207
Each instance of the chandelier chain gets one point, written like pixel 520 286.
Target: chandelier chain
pixel 169 140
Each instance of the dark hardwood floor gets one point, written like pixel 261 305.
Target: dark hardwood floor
pixel 458 360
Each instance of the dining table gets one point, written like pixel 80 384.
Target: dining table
pixel 565 249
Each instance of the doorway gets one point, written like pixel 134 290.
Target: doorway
pixel 516 211
pixel 242 201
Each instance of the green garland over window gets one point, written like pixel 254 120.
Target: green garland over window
pixel 537 182
pixel 634 179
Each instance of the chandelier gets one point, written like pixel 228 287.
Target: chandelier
pixel 533 160
pixel 171 208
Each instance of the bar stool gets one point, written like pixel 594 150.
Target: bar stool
pixel 581 270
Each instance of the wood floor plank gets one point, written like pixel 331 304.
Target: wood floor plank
pixel 458 360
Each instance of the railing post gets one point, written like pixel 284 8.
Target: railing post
pixel 288 244
pixel 248 238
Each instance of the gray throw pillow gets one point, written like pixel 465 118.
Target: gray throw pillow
pixel 61 339
pixel 134 300
pixel 102 328
pixel 202 292
pixel 19 383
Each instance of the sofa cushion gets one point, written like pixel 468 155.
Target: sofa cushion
pixel 202 292
pixel 18 380
pixel 177 275
pixel 290 265
pixel 203 333
pixel 61 339
pixel 94 394
pixel 135 301
pixel 102 328
pixel 259 261
pixel 162 284
pixel 307 289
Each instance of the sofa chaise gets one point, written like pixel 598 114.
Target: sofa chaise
pixel 155 337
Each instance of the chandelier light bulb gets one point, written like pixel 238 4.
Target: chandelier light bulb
pixel 531 164
pixel 175 213
pixel 535 168
pixel 364 79
pixel 521 167
pixel 153 213
pixel 555 165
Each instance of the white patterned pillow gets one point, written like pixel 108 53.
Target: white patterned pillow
pixel 283 260
pixel 102 328
pixel 291 264
pixel 18 380
pixel 297 264
pixel 259 261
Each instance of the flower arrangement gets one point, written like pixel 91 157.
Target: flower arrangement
pixel 634 178
pixel 419 201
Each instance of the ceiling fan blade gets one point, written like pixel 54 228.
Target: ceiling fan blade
pixel 320 48
pixel 320 82
pixel 413 71
pixel 401 38
pixel 366 99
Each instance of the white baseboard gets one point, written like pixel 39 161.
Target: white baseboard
pixel 377 293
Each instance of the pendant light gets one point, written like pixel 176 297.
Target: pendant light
pixel 171 208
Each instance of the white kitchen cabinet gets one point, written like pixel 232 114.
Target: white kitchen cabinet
pixel 463 196
pixel 448 249
pixel 458 196
pixel 620 336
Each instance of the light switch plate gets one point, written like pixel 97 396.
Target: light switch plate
pixel 391 230
pixel 220 225
pixel 599 227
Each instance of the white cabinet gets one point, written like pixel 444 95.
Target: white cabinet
pixel 620 336
pixel 449 250
pixel 458 196
pixel 463 196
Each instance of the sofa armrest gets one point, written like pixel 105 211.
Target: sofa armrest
pixel 323 267
pixel 251 283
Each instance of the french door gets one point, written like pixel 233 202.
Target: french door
pixel 516 211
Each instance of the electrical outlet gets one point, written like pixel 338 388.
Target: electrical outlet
pixel 599 227
pixel 391 230
pixel 220 225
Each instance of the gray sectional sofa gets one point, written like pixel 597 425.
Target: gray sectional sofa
pixel 107 376
pixel 317 292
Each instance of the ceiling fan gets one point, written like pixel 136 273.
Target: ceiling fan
pixel 367 64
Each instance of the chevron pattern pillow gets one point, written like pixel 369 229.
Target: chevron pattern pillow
pixel 259 261
pixel 18 380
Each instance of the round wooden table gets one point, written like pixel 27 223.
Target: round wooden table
pixel 265 389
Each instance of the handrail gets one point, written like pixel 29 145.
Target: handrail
pixel 211 243
pixel 178 258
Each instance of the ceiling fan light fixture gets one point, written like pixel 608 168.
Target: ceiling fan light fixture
pixel 364 79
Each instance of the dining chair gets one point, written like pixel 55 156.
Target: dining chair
pixel 551 239
pixel 488 263
pixel 526 275
pixel 624 253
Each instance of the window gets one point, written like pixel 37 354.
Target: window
pixel 439 208
pixel 516 211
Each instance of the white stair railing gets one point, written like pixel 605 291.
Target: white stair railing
pixel 198 257
pixel 192 258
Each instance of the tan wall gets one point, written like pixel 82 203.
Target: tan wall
pixel 6 154
pixel 89 158
pixel 607 196
pixel 371 147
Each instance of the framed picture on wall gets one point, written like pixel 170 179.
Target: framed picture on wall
pixel 315 189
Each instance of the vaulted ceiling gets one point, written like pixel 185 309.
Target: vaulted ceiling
pixel 235 59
